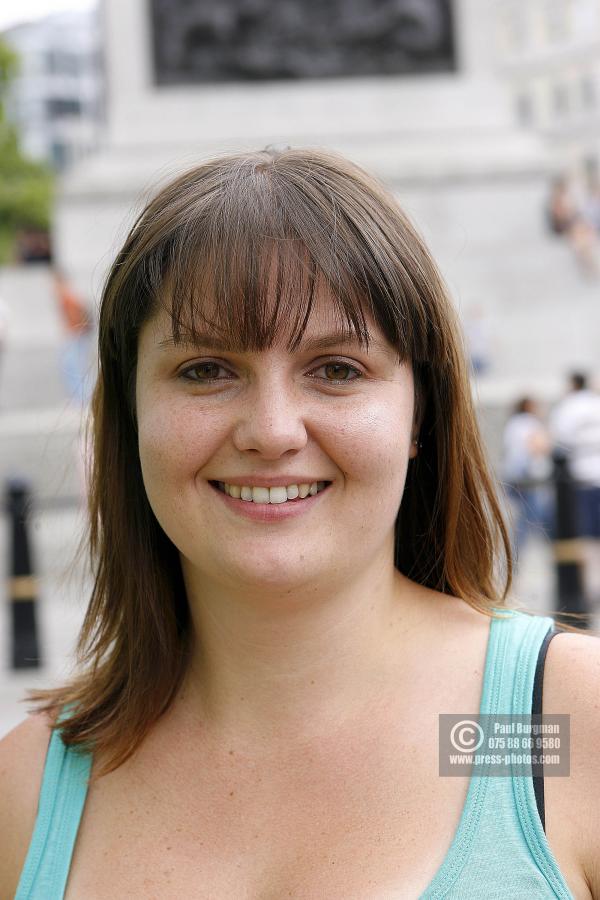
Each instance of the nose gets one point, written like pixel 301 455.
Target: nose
pixel 272 420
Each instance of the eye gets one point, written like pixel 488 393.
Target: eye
pixel 339 367
pixel 202 372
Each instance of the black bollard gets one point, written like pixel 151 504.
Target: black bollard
pixel 22 588
pixel 567 546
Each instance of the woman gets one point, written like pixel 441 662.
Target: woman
pixel 261 683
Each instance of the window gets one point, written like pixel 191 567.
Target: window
pixel 58 62
pixel 57 107
pixel 587 88
pixel 560 99
pixel 524 108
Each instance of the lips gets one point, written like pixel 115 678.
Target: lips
pixel 267 512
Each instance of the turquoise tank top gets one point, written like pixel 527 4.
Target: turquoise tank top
pixel 499 849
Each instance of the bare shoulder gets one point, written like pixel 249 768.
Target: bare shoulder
pixel 572 686
pixel 447 611
pixel 22 758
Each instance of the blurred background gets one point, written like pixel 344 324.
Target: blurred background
pixel 482 116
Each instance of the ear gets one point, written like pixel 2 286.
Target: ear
pixel 414 445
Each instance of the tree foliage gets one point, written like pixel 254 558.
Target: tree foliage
pixel 9 67
pixel 25 185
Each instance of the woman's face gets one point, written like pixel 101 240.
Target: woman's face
pixel 207 414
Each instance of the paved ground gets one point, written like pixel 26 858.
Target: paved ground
pixel 39 439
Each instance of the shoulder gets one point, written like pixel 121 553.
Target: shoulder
pixel 22 758
pixel 572 686
pixel 572 681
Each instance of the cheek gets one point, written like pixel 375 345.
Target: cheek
pixel 381 447
pixel 374 443
pixel 172 448
pixel 172 445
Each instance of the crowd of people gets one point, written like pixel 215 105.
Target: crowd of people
pixel 572 429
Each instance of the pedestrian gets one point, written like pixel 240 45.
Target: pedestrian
pixel 570 219
pixel 478 338
pixel 562 210
pixel 75 355
pixel 575 427
pixel 526 468
pixel 300 564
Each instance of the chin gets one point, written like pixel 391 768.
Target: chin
pixel 278 575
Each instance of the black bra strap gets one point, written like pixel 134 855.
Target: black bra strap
pixel 536 710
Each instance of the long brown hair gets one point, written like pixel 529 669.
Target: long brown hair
pixel 242 242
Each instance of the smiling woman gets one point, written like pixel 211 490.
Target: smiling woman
pixel 300 566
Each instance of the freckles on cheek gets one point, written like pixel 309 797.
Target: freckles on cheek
pixel 176 442
pixel 162 441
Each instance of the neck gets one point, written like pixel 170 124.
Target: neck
pixel 272 667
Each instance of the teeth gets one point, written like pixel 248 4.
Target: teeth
pixel 274 495
pixel 279 494
pixel 260 495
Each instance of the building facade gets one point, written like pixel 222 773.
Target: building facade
pixel 56 101
pixel 548 51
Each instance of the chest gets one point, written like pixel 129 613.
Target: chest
pixel 366 817
pixel 359 814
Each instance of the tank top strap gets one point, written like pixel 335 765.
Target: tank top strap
pixel 514 658
pixel 530 632
pixel 500 848
pixel 61 801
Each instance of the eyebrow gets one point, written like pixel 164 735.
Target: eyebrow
pixel 207 341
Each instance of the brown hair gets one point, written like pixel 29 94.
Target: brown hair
pixel 256 233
